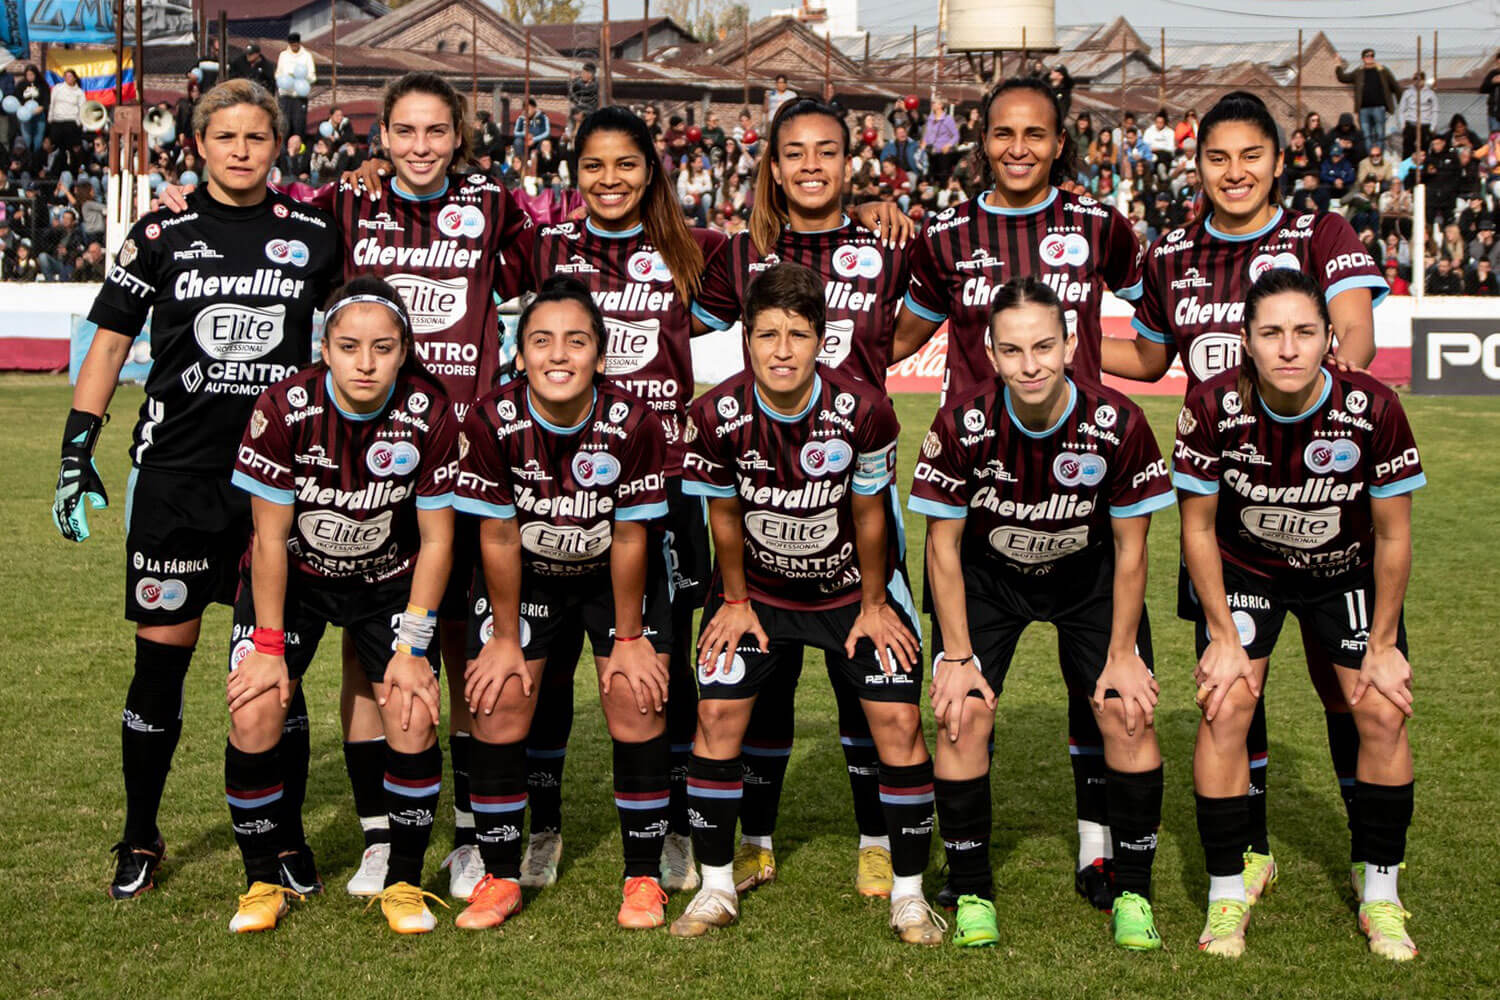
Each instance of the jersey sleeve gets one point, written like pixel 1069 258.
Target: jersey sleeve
pixel 718 304
pixel 641 492
pixel 929 292
pixel 706 468
pixel 438 469
pixel 125 298
pixel 1195 456
pixel 1396 461
pixel 515 273
pixel 263 466
pixel 1141 484
pixel 1124 258
pixel 484 484
pixel 1342 261
pixel 1150 320
pixel 940 485
pixel 875 449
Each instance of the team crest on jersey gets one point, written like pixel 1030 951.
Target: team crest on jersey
pixel 281 211
pixel 296 397
pixel 127 253
pixel 1064 250
pixel 1232 404
pixel 932 446
pixel 851 261
pixel 618 411
pixel 293 252
pixel 844 403
pixel 418 402
pixel 1357 402
pixel 461 220
pixel 506 410
pixel 1186 422
pixel 648 265
pixel 1263 262
pixel 595 468
pixel 1335 455
pixel 1079 469
pixel 258 424
pixel 826 458
pixel 1105 416
pixel 392 458
pixel 728 407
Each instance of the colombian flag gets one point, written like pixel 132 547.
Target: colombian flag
pixel 95 69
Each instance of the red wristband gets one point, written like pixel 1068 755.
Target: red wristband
pixel 630 638
pixel 269 641
pixel 745 600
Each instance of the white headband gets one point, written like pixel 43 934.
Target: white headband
pixel 372 299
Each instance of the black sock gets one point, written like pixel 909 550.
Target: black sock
pixel 255 788
pixel 296 758
pixel 766 751
pixel 149 729
pixel 1086 755
pixel 365 762
pixel 964 819
pixel 1343 747
pixel 861 761
pixel 1223 827
pixel 1384 814
pixel 682 715
pixel 715 788
pixel 641 798
pixel 412 783
pixel 547 746
pixel 497 790
pixel 1134 818
pixel 1260 755
pixel 463 813
pixel 906 796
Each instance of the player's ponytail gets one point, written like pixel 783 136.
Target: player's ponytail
pixel 1276 281
pixel 769 213
pixel 370 290
pixel 436 86
pixel 566 288
pixel 661 214
pixel 1239 106
pixel 1064 167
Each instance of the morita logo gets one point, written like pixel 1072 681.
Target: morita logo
pixel 792 536
pixel 232 332
pixel 337 535
pixel 1300 529
pixel 434 303
pixel 632 344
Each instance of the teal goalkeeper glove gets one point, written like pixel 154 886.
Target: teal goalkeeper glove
pixel 77 479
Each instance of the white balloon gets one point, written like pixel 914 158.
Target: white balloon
pixel 10 104
pixel 24 113
pixel 284 82
pixel 301 88
pixel 194 75
pixel 209 66
pixel 326 130
pixel 299 71
pixel 33 107
pixel 188 179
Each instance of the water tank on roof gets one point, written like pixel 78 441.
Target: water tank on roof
pixel 988 25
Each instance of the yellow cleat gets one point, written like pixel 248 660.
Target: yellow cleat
pixel 260 907
pixel 1224 931
pixel 1384 923
pixel 405 908
pixel 874 873
pixel 1260 875
pixel 753 867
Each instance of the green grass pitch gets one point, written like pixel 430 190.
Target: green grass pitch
pixel 66 656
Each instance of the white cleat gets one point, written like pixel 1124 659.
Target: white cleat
pixel 679 873
pixel 370 879
pixel 543 855
pixel 465 869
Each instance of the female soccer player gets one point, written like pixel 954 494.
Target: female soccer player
pixel 566 471
pixel 231 286
pixel 1192 302
pixel 799 216
pixel 1023 224
pixel 1295 479
pixel 1039 493
pixel 795 460
pixel 350 466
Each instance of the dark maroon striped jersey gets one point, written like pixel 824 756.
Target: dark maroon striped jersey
pixel 863 283
pixel 564 486
pixel 355 481
pixel 449 255
pixel 1076 245
pixel 231 294
pixel 1193 293
pixel 1294 492
pixel 1039 502
pixel 793 476
pixel 650 328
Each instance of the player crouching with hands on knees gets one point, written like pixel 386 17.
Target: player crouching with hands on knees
pixel 350 466
pixel 566 471
pixel 1295 482
pixel 1038 491
pixel 795 460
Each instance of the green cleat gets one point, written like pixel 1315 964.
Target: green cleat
pixel 1384 923
pixel 1224 931
pixel 1134 926
pixel 975 923
pixel 1260 875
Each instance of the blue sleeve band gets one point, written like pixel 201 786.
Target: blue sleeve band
pixel 479 508
pixel 1203 487
pixel 943 511
pixel 1130 293
pixel 1148 333
pixel 870 487
pixel 694 488
pixel 442 501
pixel 1147 506
pixel 1376 284
pixel 642 512
pixel 709 319
pixel 259 489
pixel 1399 487
pixel 923 311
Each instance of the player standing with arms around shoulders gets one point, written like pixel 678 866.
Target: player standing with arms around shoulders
pixel 567 472
pixel 1295 482
pixel 1024 225
pixel 795 460
pixel 350 467
pixel 1039 492
pixel 231 286
pixel 1192 305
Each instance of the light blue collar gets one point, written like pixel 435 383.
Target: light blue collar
pixel 1317 404
pixel 1072 401
pixel 817 389
pixel 984 203
pixel 610 234
pixel 1208 224
pixel 360 417
pixel 843 224
pixel 562 430
pixel 396 190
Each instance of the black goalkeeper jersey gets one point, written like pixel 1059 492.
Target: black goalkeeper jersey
pixel 231 294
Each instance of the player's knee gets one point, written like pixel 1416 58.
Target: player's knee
pixel 1378 718
pixel 1235 711
pixel 256 727
pixel 719 718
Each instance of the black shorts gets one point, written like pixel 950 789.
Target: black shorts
pixel 1335 615
pixel 369 612
pixel 751 669
pixel 184 539
pixel 554 610
pixel 1079 602
pixel 455 603
pixel 688 552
